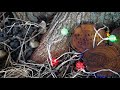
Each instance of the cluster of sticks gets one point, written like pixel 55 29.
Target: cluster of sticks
pixel 30 69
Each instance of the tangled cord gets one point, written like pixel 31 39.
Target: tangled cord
pixel 82 72
pixel 30 69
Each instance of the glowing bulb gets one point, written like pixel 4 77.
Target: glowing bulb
pixel 55 62
pixel 112 38
pixel 64 31
pixel 79 65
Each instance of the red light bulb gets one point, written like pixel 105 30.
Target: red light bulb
pixel 54 62
pixel 79 65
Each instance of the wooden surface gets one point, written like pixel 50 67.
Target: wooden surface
pixel 83 35
pixel 102 57
pixel 70 20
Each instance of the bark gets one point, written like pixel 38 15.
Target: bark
pixel 108 18
pixel 34 16
pixel 70 20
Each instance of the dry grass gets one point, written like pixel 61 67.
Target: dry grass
pixel 22 69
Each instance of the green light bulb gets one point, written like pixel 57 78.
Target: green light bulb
pixel 112 38
pixel 64 31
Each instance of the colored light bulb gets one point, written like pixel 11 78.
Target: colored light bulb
pixel 79 65
pixel 64 31
pixel 112 38
pixel 108 34
pixel 54 62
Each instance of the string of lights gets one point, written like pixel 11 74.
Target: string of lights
pixel 80 65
